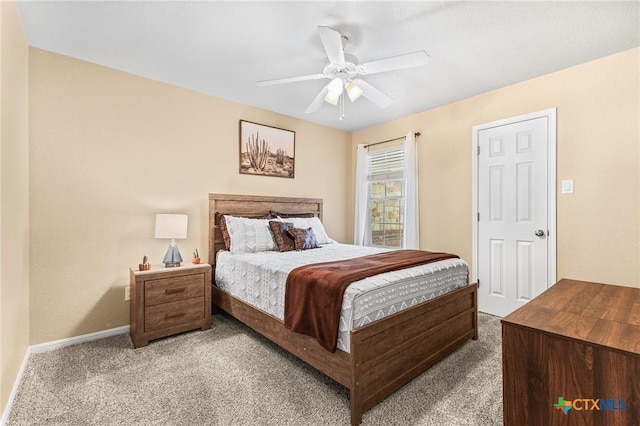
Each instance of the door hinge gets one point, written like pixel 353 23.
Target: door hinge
pixel 478 217
pixel 478 283
pixel 478 150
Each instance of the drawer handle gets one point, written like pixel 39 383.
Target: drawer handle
pixel 175 290
pixel 167 316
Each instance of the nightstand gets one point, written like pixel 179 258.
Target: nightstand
pixel 166 301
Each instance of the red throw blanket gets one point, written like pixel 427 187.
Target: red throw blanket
pixel 313 294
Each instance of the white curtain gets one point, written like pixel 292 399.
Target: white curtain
pixel 411 212
pixel 360 222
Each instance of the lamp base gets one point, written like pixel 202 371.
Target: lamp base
pixel 172 258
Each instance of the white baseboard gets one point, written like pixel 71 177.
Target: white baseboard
pixel 14 391
pixel 43 347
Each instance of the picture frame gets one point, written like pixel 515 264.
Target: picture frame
pixel 266 150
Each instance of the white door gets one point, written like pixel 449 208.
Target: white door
pixel 513 213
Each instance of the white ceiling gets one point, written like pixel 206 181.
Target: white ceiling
pixel 223 48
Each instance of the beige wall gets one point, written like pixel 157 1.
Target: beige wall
pixel 598 145
pixel 14 198
pixel 108 151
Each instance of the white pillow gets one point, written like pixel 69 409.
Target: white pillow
pixel 310 222
pixel 249 235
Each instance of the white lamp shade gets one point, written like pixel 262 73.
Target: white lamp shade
pixel 334 90
pixel 354 91
pixel 335 87
pixel 331 98
pixel 171 226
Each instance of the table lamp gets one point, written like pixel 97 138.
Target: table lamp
pixel 171 226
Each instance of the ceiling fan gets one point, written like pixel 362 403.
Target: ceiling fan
pixel 343 70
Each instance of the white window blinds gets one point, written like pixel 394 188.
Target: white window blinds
pixel 387 164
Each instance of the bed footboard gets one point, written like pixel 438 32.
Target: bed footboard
pixel 385 355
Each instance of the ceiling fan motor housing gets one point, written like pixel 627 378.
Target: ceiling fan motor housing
pixel 346 71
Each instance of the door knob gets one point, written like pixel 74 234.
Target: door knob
pixel 539 233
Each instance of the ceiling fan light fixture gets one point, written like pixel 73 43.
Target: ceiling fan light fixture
pixel 334 90
pixel 354 91
pixel 332 98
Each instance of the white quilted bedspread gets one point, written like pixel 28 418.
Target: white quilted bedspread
pixel 259 279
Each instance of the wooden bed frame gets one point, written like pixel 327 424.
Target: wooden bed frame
pixel 384 355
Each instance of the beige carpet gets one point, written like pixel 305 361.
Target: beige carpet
pixel 229 375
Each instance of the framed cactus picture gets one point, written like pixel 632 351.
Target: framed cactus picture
pixel 266 150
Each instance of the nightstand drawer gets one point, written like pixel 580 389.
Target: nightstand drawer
pixel 166 290
pixel 174 313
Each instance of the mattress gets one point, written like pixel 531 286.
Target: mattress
pixel 259 279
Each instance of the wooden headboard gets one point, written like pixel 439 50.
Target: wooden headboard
pixel 251 206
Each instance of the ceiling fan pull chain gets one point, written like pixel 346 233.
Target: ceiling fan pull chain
pixel 341 106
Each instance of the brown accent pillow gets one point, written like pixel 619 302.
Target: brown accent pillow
pixel 284 241
pixel 304 239
pixel 225 233
pixel 274 214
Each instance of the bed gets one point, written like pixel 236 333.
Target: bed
pixel 381 356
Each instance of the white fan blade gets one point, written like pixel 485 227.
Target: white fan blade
pixel 409 60
pixel 291 79
pixel 373 94
pixel 315 104
pixel 332 42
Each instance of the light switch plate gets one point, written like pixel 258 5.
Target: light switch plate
pixel 567 186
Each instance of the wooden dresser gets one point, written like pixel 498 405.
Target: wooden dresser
pixel 579 341
pixel 166 301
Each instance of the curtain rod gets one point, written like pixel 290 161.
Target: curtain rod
pixel 416 134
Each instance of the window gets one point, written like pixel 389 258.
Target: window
pixel 385 198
